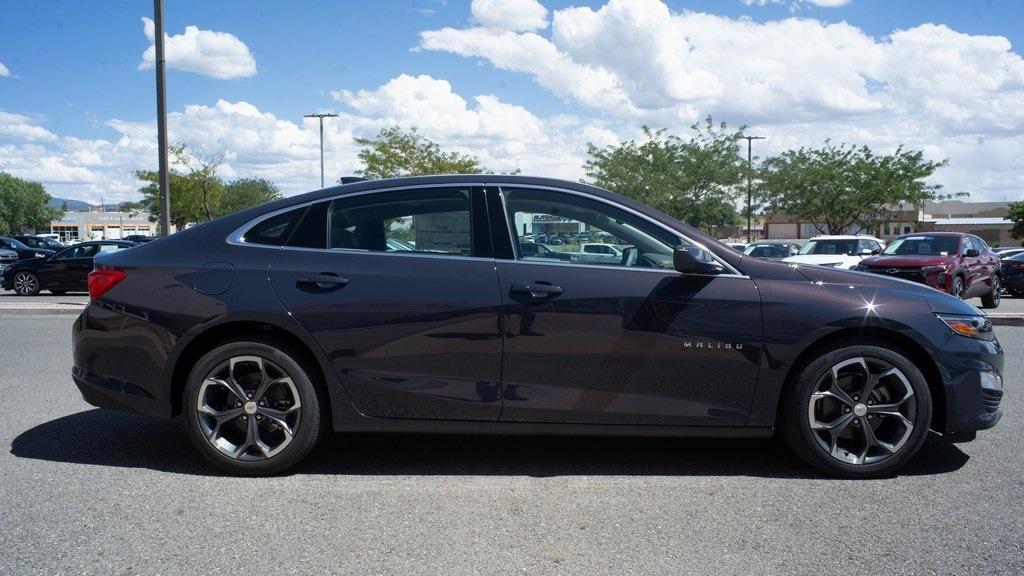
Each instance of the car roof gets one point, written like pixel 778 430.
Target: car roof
pixel 843 237
pixel 936 233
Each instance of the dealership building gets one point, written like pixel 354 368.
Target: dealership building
pixel 82 226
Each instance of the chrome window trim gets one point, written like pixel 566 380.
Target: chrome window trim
pixel 672 231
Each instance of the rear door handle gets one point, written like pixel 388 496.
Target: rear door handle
pixel 538 290
pixel 323 281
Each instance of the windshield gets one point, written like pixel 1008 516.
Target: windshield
pixel 923 245
pixel 842 246
pixel 15 244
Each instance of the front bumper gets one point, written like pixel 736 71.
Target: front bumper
pixel 930 276
pixel 972 374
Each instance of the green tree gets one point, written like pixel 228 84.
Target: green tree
pixel 1016 215
pixel 195 188
pixel 395 152
pixel 695 180
pixel 837 187
pixel 245 193
pixel 24 204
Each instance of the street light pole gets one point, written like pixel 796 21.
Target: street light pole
pixel 750 186
pixel 321 117
pixel 161 118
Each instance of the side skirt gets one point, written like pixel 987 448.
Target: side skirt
pixel 398 425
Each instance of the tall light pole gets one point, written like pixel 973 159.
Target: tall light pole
pixel 750 185
pixel 161 118
pixel 321 117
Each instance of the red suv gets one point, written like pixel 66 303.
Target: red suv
pixel 959 264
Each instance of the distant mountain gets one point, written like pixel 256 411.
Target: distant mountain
pixel 80 206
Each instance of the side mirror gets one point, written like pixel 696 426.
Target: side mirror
pixel 972 253
pixel 694 260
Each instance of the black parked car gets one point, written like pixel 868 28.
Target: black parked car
pixel 43 242
pixel 268 327
pixel 24 252
pixel 65 271
pixel 771 250
pixel 139 238
pixel 1013 275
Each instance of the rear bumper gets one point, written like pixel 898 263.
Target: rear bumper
pixel 105 392
pixel 120 361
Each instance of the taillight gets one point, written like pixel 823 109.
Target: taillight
pixel 103 279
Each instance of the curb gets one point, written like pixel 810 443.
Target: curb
pixel 1006 320
pixel 28 310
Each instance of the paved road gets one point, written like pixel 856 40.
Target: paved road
pixel 87 491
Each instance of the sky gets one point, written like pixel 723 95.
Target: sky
pixel 521 84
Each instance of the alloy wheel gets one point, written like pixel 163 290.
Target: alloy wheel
pixel 861 412
pixel 248 408
pixel 26 283
pixel 997 290
pixel 958 289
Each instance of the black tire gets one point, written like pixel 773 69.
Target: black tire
pixel 957 289
pixel 308 428
pixel 26 283
pixel 992 299
pixel 58 292
pixel 795 417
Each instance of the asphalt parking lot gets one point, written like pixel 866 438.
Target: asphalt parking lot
pixel 89 491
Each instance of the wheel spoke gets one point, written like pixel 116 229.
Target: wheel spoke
pixel 267 383
pixel 280 417
pixel 231 385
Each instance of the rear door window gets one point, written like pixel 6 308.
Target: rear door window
pixel 430 221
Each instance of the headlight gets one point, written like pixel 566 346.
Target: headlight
pixel 971 326
pixel 39 254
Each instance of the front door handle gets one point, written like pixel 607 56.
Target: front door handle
pixel 538 290
pixel 324 281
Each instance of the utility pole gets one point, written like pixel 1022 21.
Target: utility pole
pixel 161 119
pixel 321 117
pixel 750 185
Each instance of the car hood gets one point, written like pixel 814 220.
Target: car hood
pixel 820 259
pixel 906 260
pixel 939 302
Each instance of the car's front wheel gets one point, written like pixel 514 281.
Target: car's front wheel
pixel 857 412
pixel 957 289
pixel 992 299
pixel 252 407
pixel 26 283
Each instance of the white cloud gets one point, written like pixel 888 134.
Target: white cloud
pixel 216 54
pixel 510 14
pixel 22 128
pixel 258 143
pixel 798 80
pixel 4 72
pixel 796 3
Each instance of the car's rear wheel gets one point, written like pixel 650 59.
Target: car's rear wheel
pixel 252 407
pixel 26 283
pixel 992 299
pixel 857 412
pixel 957 289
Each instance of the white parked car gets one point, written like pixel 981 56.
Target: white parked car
pixel 598 253
pixel 837 251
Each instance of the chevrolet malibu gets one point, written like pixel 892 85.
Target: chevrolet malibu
pixel 409 305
